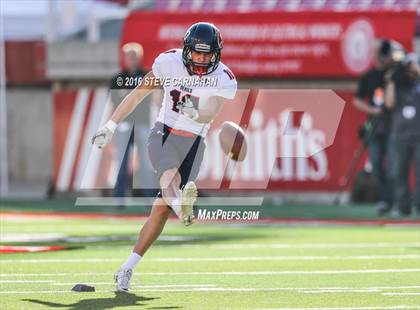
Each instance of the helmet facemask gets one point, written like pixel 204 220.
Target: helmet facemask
pixel 200 68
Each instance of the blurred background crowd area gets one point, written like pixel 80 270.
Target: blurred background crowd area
pixel 59 57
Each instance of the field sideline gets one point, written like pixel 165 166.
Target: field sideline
pixel 212 266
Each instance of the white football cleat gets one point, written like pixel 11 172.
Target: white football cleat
pixel 122 279
pixel 188 198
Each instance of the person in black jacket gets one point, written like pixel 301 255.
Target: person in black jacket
pixel 402 96
pixel 369 98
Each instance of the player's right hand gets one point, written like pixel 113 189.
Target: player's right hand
pixel 187 108
pixel 104 135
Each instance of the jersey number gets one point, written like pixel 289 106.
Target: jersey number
pixel 176 94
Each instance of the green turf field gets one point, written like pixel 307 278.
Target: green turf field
pixel 216 266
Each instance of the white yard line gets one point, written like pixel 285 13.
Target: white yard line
pixel 377 288
pixel 218 273
pixel 218 289
pixel 26 281
pixel 401 294
pixel 363 245
pixel 63 260
pixel 55 274
pixel 211 259
pixel 317 291
pixel 205 289
pixel 72 283
pixel 276 258
pixel 174 285
pixel 345 308
pixel 45 292
pixel 394 287
pixel 307 245
pixel 142 286
pixel 197 289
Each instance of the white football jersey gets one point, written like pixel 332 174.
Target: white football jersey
pixel 180 86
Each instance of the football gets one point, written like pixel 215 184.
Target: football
pixel 233 141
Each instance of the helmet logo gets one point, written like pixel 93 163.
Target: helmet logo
pixel 200 47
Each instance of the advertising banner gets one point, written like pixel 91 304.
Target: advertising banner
pixel 321 44
pixel 297 140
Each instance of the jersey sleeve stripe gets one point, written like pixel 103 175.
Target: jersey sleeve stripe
pixel 230 74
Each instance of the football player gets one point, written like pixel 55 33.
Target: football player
pixel 176 143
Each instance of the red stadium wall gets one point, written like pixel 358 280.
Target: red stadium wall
pixel 26 63
pixel 312 44
pixel 319 172
pixel 78 113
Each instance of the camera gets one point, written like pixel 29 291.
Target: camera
pixel 399 62
pixel 390 51
pixel 402 74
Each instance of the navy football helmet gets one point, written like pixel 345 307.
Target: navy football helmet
pixel 202 37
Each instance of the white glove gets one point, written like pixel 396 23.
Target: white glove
pixel 104 135
pixel 188 109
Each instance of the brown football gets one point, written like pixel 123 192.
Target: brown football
pixel 232 140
